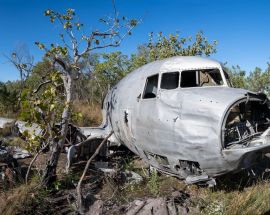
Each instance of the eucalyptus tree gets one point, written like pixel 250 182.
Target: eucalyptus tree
pixel 160 46
pixel 66 57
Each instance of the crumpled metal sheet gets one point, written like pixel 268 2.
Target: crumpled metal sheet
pixel 19 153
pixel 5 121
pixel 32 129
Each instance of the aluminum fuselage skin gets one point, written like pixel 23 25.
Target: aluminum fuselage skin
pixel 183 124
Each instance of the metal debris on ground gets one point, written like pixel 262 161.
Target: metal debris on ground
pixel 19 153
pixel 178 203
pixel 128 177
pixel 10 170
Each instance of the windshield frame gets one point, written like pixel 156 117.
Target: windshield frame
pixel 227 77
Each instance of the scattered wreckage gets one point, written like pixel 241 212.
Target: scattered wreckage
pixel 10 169
pixel 182 116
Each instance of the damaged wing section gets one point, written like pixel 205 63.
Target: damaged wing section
pixel 81 142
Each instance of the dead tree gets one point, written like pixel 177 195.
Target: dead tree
pixel 67 58
pixel 23 62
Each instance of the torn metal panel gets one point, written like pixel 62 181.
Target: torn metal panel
pixel 5 121
pixel 19 153
pixel 20 126
pixel 33 129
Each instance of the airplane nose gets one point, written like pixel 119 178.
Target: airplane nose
pixel 247 124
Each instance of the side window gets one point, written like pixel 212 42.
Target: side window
pixel 189 79
pixel 169 80
pixel 150 90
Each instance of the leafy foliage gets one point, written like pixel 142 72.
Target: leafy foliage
pixel 237 77
pixel 111 68
pixel 172 45
pixel 259 81
pixel 8 100
pixel 43 107
pixel 67 59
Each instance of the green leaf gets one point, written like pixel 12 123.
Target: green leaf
pixel 47 12
pixel 133 22
pixel 52 107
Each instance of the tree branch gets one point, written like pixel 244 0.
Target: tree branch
pixel 79 186
pixel 43 83
pixel 34 159
pixel 61 63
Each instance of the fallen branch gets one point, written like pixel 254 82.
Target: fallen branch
pixel 33 160
pixel 79 186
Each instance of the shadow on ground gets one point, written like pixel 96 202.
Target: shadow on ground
pixel 245 178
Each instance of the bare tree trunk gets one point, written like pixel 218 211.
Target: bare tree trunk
pixel 49 174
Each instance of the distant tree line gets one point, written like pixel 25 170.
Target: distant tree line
pixel 101 71
pixel 9 99
pixel 256 80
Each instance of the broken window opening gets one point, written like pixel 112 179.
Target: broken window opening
pixel 170 80
pixel 201 78
pixel 161 160
pixel 188 167
pixel 151 87
pixel 246 121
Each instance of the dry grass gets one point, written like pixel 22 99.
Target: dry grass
pixel 7 130
pixel 11 202
pixel 8 113
pixel 24 199
pixel 17 141
pixel 91 114
pixel 252 200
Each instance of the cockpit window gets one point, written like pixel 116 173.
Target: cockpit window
pixel 151 86
pixel 170 80
pixel 201 78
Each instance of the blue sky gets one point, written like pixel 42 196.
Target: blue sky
pixel 241 27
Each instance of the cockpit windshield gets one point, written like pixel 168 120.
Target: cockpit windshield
pixel 201 78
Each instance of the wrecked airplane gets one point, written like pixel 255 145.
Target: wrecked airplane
pixel 183 117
